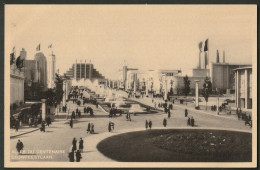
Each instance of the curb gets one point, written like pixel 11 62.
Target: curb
pixel 203 112
pixel 24 133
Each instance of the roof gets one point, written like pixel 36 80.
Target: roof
pixel 243 68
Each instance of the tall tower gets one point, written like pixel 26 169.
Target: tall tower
pixel 41 59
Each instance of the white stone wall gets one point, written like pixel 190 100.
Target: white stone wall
pixel 16 86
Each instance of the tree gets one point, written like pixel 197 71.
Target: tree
pixel 54 96
pixel 207 89
pixel 186 88
pixel 59 88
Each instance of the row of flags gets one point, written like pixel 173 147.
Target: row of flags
pixel 20 61
pixel 38 48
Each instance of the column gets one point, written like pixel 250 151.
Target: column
pixel 90 71
pixel 236 90
pixel 85 71
pixel 80 71
pixel 64 94
pixel 196 93
pixel 200 60
pixel 75 70
pixel 43 109
pixel 165 90
pixel 246 88
pixel 146 87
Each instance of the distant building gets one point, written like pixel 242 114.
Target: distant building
pixel 223 75
pixel 41 59
pixel 84 71
pixel 32 80
pixel 16 86
pixel 51 71
pixel 243 87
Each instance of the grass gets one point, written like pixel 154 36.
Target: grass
pixel 179 146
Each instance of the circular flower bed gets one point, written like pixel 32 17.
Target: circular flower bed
pixel 182 145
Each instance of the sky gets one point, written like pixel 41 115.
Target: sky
pixel 141 36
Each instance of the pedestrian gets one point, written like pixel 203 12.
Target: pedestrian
pixel 78 156
pixel 146 124
pixel 19 147
pixel 192 121
pixel 79 113
pixel 74 144
pixel 109 126
pixel 92 128
pixel 164 122
pixel 150 124
pixel 73 115
pixel 186 112
pixel 16 125
pixel 43 126
pixel 71 123
pixel 30 121
pixel 169 114
pixel 81 145
pixel 88 129
pixel 71 156
pixel 48 120
pixel 155 105
pixel 97 105
pixel 188 121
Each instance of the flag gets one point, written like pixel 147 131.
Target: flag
pixel 206 48
pixel 50 46
pixel 12 58
pixel 38 48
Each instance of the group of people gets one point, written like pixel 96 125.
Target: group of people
pixel 75 151
pixel 89 110
pixel 148 124
pixel 191 121
pixel 244 116
pixel 90 128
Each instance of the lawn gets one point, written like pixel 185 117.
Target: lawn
pixel 189 145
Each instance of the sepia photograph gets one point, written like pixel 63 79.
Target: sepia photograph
pixel 130 85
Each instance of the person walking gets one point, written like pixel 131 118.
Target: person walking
pixel 19 147
pixel 16 125
pixel 109 126
pixel 150 124
pixel 48 121
pixel 74 144
pixel 164 122
pixel 78 156
pixel 81 145
pixel 88 129
pixel 186 112
pixel 169 113
pixel 71 123
pixel 71 156
pixel 92 128
pixel 146 124
pixel 188 122
pixel 43 126
pixel 192 121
